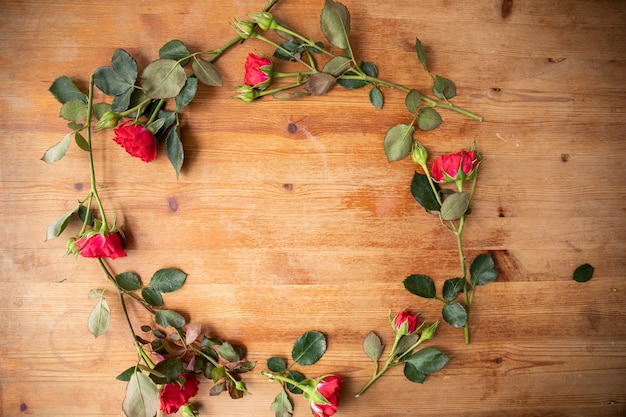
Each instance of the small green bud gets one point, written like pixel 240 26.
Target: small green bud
pixel 108 120
pixel 190 411
pixel 265 20
pixel 246 93
pixel 420 154
pixel 244 28
pixel 429 332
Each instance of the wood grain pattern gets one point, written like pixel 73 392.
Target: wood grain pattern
pixel 287 216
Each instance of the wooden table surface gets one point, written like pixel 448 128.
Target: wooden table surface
pixel 287 216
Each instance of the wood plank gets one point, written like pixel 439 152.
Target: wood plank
pixel 288 217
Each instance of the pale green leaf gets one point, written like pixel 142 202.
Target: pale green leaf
pixel 174 150
pixel 399 142
pixel 142 397
pixel 58 226
pixel 282 405
pixel 335 22
pixel 57 151
pixel 100 318
pixel 74 111
pixel 206 72
pixel 372 346
pixel 163 78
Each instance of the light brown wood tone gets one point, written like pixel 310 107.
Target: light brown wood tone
pixel 287 216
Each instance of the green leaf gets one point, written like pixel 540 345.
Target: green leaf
pixel 291 47
pixel 187 94
pixel 276 364
pixel 413 374
pixel 583 273
pixel 100 318
pixel 482 270
pixel 337 65
pixel 175 50
pixel 421 54
pixel 452 287
pixel 309 348
pixel 369 69
pixel 454 206
pixel 168 279
pixel 122 102
pixel 127 374
pixel 351 84
pixel 320 83
pixel 100 108
pixel 128 281
pixel 64 90
pixel 58 226
pixel 120 77
pixel 444 88
pixel 74 110
pixel 170 369
pixel 230 352
pixel 142 397
pixel 428 360
pixel 163 78
pixel 406 342
pixel 335 24
pixel 413 101
pixel 298 377
pixel 399 142
pixel 282 405
pixel 423 193
pixel 58 151
pixel 206 72
pixel 420 285
pixel 81 142
pixel 428 119
pixel 166 318
pixel 454 314
pixel 96 293
pixel 152 296
pixel 376 97
pixel 373 347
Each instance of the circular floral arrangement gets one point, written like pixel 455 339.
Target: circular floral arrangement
pixel 145 108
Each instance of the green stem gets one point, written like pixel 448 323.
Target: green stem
pixel 432 102
pixel 155 112
pixel 309 42
pixel 92 172
pixel 391 362
pixel 467 288
pixel 140 351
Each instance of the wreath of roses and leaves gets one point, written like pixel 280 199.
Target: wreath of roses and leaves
pixel 144 113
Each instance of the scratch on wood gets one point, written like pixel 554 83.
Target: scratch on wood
pixel 507 8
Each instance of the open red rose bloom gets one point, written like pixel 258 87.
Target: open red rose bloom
pixel 456 166
pixel 328 388
pixel 101 246
pixel 137 140
pixel 174 395
pixel 258 71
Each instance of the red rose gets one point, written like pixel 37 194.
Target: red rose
pixel 258 71
pixel 458 166
pixel 403 317
pixel 98 245
pixel 328 387
pixel 137 140
pixel 176 394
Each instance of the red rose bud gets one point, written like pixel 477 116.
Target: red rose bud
pixel 177 394
pixel 97 245
pixel 405 322
pixel 455 167
pixel 137 140
pixel 325 400
pixel 258 72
